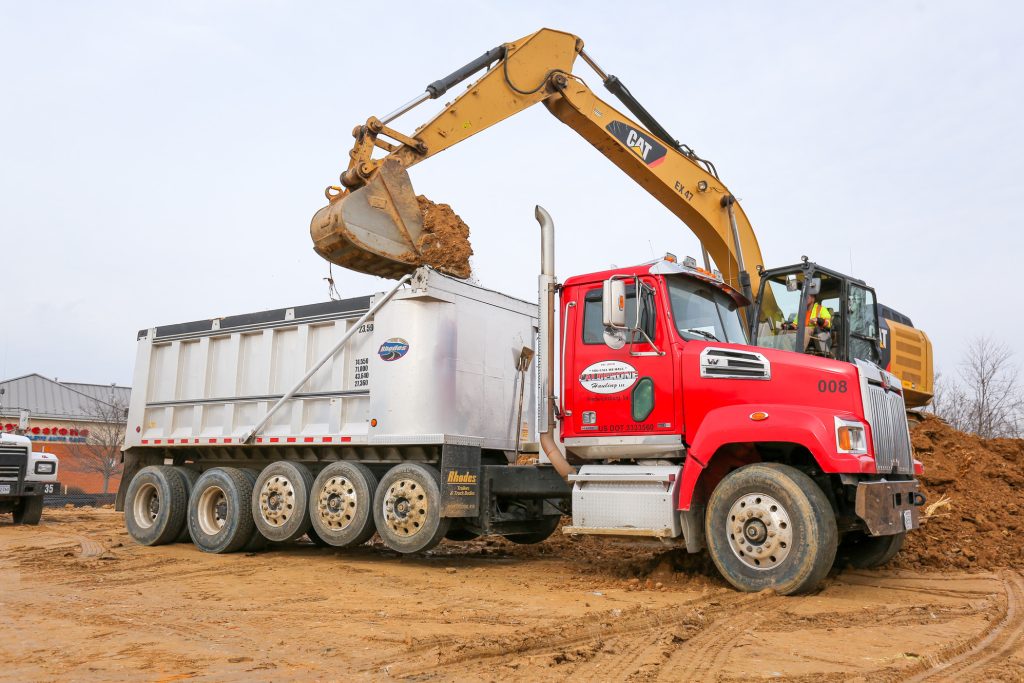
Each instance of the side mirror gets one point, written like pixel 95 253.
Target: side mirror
pixel 814 286
pixel 613 303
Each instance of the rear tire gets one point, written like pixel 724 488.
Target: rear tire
pixel 219 511
pixel 341 504
pixel 407 508
pixel 189 476
pixel 771 526
pixel 315 539
pixel 545 527
pixel 861 551
pixel 258 541
pixel 29 510
pixel 280 501
pixel 155 505
pixel 457 532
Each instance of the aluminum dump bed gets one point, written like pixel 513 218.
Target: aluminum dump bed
pixel 435 364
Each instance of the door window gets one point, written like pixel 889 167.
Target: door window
pixel 593 316
pixel 863 324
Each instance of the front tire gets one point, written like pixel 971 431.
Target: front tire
pixel 219 511
pixel 770 526
pixel 155 505
pixel 861 551
pixel 29 510
pixel 407 508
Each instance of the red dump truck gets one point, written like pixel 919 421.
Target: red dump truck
pixel 403 414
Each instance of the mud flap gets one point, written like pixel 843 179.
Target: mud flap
pixel 460 481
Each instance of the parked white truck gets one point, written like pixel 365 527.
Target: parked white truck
pixel 25 477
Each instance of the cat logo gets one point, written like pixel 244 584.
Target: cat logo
pixel 650 151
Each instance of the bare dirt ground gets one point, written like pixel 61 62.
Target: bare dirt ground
pixel 81 601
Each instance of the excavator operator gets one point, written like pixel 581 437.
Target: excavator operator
pixel 817 315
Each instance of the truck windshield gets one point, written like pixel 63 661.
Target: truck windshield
pixel 703 312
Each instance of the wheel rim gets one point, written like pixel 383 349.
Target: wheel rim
pixel 147 506
pixel 212 510
pixel 759 530
pixel 406 507
pixel 277 500
pixel 337 503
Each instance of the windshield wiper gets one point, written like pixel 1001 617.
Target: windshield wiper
pixel 703 333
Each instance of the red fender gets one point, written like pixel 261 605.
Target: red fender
pixel 812 428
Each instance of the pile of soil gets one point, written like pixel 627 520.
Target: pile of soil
pixel 975 491
pixel 444 243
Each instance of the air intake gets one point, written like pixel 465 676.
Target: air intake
pixel 730 364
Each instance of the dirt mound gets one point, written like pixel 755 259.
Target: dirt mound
pixel 444 243
pixel 975 490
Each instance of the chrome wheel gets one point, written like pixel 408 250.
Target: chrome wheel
pixel 277 500
pixel 405 507
pixel 760 531
pixel 212 510
pixel 337 503
pixel 146 506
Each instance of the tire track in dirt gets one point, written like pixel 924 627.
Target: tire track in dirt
pixel 970 659
pixel 703 657
pixel 632 628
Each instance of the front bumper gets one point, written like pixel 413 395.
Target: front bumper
pixel 19 489
pixel 889 507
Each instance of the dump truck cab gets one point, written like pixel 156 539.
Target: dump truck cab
pixel 664 395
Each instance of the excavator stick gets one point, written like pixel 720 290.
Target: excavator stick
pixel 375 229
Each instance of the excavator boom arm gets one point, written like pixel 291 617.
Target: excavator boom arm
pixel 535 68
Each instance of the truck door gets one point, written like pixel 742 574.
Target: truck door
pixel 618 382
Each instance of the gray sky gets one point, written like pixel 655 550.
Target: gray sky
pixel 160 162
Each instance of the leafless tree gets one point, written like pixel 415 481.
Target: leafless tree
pixel 949 402
pixel 991 403
pixel 101 451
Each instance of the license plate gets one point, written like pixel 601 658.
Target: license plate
pixel 908 520
pixel 5 488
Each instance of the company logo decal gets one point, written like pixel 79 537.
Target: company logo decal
pixel 456 477
pixel 643 145
pixel 393 349
pixel 608 377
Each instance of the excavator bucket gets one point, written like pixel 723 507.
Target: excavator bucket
pixel 375 229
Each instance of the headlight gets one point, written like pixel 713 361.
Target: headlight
pixel 45 467
pixel 850 437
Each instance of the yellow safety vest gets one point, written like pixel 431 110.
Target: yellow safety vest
pixel 819 311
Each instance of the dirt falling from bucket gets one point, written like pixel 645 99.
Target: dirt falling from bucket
pixel 444 243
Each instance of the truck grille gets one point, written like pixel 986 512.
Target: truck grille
pixel 889 431
pixel 13 460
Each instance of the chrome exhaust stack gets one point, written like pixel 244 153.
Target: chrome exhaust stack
pixel 546 351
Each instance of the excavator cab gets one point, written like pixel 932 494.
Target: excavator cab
pixel 818 311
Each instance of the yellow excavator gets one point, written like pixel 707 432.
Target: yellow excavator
pixel 374 222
